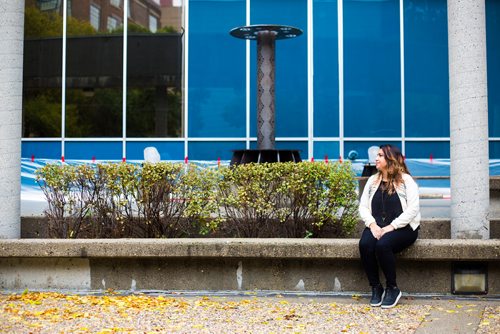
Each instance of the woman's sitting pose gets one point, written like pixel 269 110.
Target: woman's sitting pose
pixel 389 207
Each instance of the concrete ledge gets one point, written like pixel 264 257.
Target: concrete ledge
pixel 423 249
pixel 495 182
pixel 331 265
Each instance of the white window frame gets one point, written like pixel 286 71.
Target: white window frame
pixel 156 20
pixel 113 23
pixel 116 3
pixel 49 5
pixel 98 9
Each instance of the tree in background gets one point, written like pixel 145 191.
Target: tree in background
pixel 50 24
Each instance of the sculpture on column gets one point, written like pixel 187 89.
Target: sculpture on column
pixel 266 36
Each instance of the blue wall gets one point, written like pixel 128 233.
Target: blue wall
pixel 372 69
pixel 326 73
pixel 291 66
pixel 426 69
pixel 493 56
pixel 216 69
pixel 372 82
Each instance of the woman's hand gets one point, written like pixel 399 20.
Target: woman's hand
pixel 376 231
pixel 386 229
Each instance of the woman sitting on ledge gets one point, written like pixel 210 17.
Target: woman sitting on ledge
pixel 389 207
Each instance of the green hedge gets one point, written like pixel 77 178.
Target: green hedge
pixel 178 200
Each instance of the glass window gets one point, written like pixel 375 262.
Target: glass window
pixel 154 95
pixel 361 147
pixel 494 149
pixel 430 150
pixel 213 150
pixel 326 73
pixel 49 5
pixel 154 76
pixel 153 23
pixel 293 145
pixel 216 69
pixel 493 57
pixel 291 66
pixel 301 146
pixel 95 17
pixel 323 149
pixel 167 150
pixel 94 79
pixel 426 68
pixel 41 149
pixel 116 3
pixel 93 150
pixel 372 74
pixel 42 73
pixel 113 23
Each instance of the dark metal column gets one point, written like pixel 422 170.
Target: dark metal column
pixel 265 90
pixel 266 36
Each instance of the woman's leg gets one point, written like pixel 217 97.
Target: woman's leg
pixel 390 244
pixel 367 245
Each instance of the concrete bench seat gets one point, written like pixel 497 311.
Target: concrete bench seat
pixel 322 265
pixel 423 249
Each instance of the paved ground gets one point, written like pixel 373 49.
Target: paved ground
pixel 32 312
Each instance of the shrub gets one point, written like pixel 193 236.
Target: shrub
pixel 128 200
pixel 68 198
pixel 289 199
pixel 178 200
pixel 113 186
pixel 175 200
pixel 252 196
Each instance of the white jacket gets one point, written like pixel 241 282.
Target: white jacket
pixel 408 195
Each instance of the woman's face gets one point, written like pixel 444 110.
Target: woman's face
pixel 380 161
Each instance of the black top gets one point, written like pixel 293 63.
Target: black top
pixel 385 207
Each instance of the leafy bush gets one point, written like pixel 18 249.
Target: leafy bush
pixel 127 200
pixel 68 199
pixel 177 200
pixel 289 199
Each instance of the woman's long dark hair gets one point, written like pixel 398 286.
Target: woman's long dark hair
pixel 396 166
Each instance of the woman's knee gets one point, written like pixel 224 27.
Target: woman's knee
pixel 366 245
pixel 383 246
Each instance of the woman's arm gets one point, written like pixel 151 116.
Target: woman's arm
pixel 364 203
pixel 413 204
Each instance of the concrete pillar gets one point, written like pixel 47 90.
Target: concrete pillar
pixel 468 119
pixel 11 89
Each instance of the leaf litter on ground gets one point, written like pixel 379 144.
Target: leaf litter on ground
pixel 50 312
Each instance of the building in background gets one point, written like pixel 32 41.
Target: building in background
pixel 363 73
pixel 106 15
pixel 171 14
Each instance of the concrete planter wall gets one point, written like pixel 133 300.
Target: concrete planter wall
pixel 328 265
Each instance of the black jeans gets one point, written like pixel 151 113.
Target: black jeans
pixel 384 251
